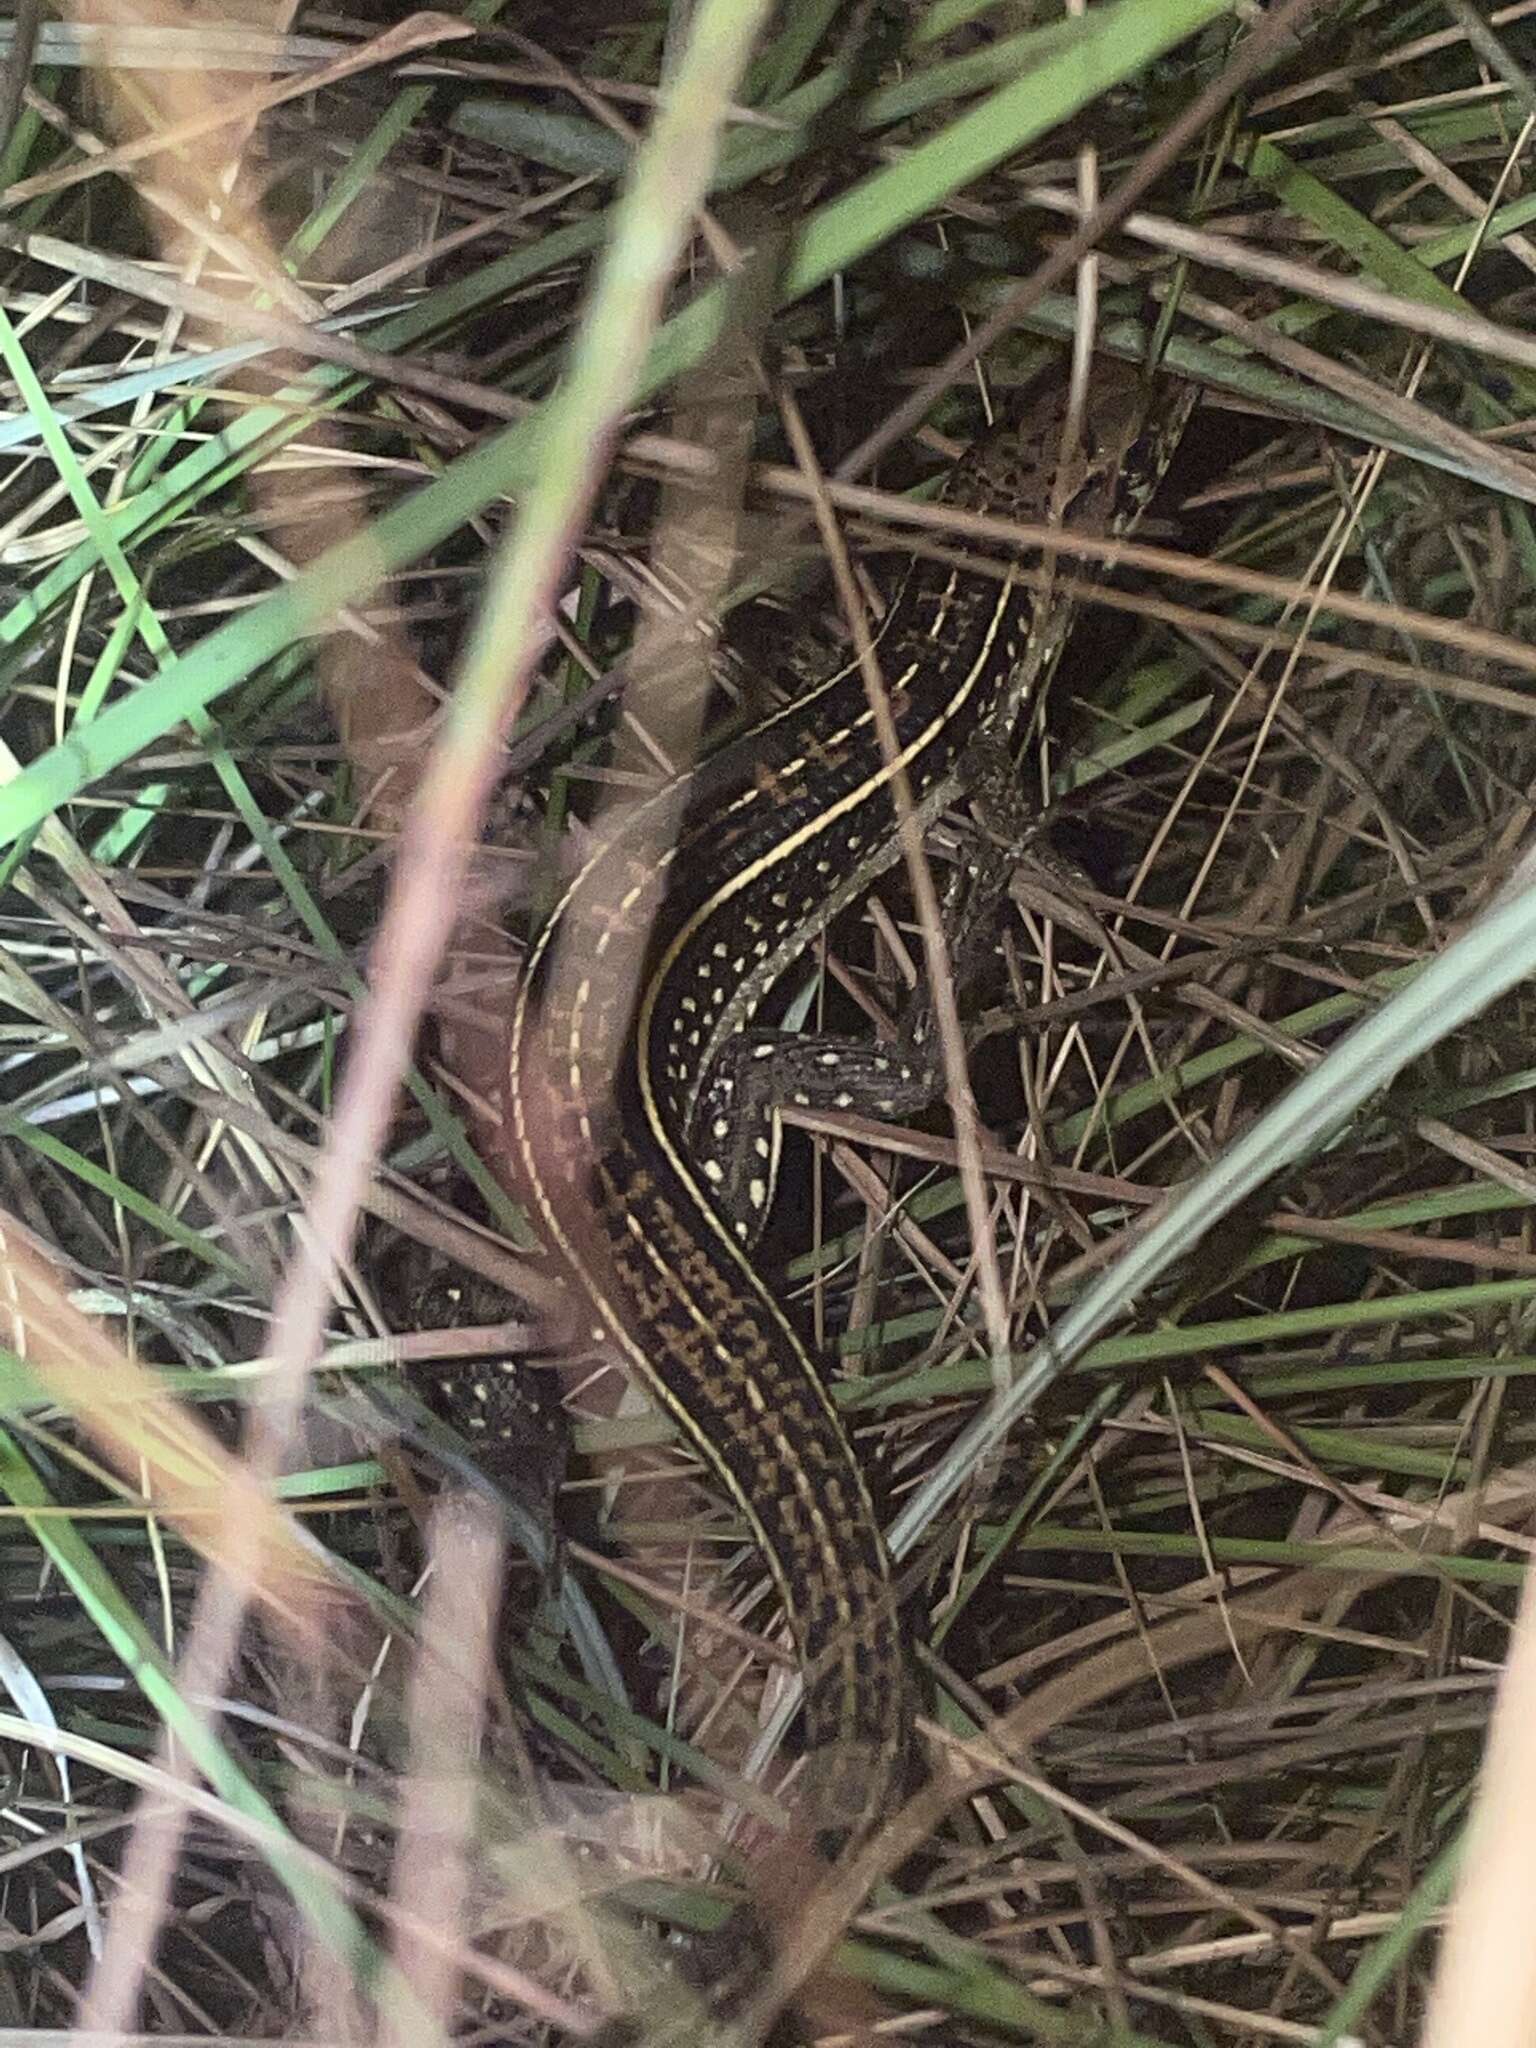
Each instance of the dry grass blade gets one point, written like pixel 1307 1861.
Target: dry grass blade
pixel 159 1449
pixel 1485 1988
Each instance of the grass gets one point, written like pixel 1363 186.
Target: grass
pixel 329 379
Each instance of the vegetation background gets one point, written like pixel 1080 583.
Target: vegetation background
pixel 342 345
